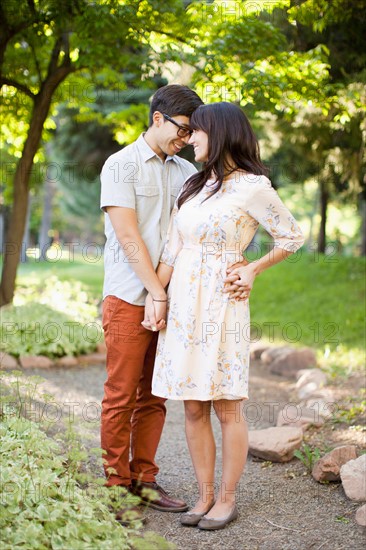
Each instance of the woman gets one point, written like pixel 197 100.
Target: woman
pixel 203 354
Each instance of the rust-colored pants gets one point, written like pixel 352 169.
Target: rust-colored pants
pixel 132 418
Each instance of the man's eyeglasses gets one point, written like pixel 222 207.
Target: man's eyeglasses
pixel 182 130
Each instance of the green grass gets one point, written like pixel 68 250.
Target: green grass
pixel 90 274
pixel 308 300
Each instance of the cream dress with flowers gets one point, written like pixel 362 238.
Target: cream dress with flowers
pixel 203 354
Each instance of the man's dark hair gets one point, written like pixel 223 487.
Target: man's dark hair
pixel 174 100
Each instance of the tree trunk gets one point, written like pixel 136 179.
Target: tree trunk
pixel 14 236
pixel 44 239
pixel 324 198
pixel 26 236
pixel 363 227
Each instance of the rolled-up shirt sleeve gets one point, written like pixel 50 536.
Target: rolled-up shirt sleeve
pixel 267 208
pixel 117 185
pixel 173 243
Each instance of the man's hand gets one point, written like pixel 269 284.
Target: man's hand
pixel 232 286
pixel 155 314
pixel 239 281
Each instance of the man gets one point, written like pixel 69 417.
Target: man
pixel 139 187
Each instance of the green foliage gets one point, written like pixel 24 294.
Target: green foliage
pixel 352 411
pixel 52 318
pixel 37 329
pixel 43 504
pixel 308 456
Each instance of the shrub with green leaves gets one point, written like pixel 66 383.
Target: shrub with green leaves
pixel 44 505
pixel 37 329
pixel 54 318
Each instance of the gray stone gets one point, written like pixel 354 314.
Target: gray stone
pixel 275 444
pixel 309 382
pixel 7 361
pixel 289 363
pixel 361 516
pixel 35 362
pixel 298 417
pixel 327 468
pixel 353 476
pixel 322 402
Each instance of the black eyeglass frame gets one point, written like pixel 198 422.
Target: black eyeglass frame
pixel 182 131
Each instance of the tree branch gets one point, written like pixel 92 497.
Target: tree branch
pixel 21 87
pixel 52 66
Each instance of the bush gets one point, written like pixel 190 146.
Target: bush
pixel 43 503
pixel 37 329
pixel 54 319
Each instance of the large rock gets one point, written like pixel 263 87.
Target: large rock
pixel 35 362
pixel 256 349
pixel 361 516
pixel 7 361
pixel 353 476
pixel 291 361
pixel 299 417
pixel 328 467
pixel 275 444
pixel 270 354
pixel 309 381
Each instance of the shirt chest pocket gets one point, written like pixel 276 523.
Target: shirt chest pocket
pixel 147 197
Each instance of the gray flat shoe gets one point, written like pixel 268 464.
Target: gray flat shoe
pixel 213 524
pixel 192 519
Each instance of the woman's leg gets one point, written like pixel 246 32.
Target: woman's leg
pixel 234 453
pixel 202 449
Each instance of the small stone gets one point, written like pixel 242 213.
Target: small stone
pixel 101 347
pixel 289 363
pixel 322 402
pixel 7 361
pixel 353 476
pixel 67 361
pixel 310 381
pixel 256 350
pixel 35 362
pixel 275 444
pixel 361 516
pixel 270 354
pixel 298 417
pixel 327 468
pixel 92 359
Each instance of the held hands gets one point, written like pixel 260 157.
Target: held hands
pixel 155 314
pixel 240 280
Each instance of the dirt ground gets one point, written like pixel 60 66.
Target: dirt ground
pixel 281 506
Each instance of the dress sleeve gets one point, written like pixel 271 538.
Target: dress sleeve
pixel 173 243
pixel 267 208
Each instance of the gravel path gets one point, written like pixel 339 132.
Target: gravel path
pixel 280 508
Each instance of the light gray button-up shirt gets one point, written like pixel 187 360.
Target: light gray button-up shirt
pixel 137 178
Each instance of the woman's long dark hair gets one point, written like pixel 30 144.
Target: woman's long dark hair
pixel 232 146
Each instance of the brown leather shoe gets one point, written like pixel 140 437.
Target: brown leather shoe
pixel 154 496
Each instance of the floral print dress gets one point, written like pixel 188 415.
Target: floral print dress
pixel 203 354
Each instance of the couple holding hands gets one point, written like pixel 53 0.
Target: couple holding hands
pixel 176 295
